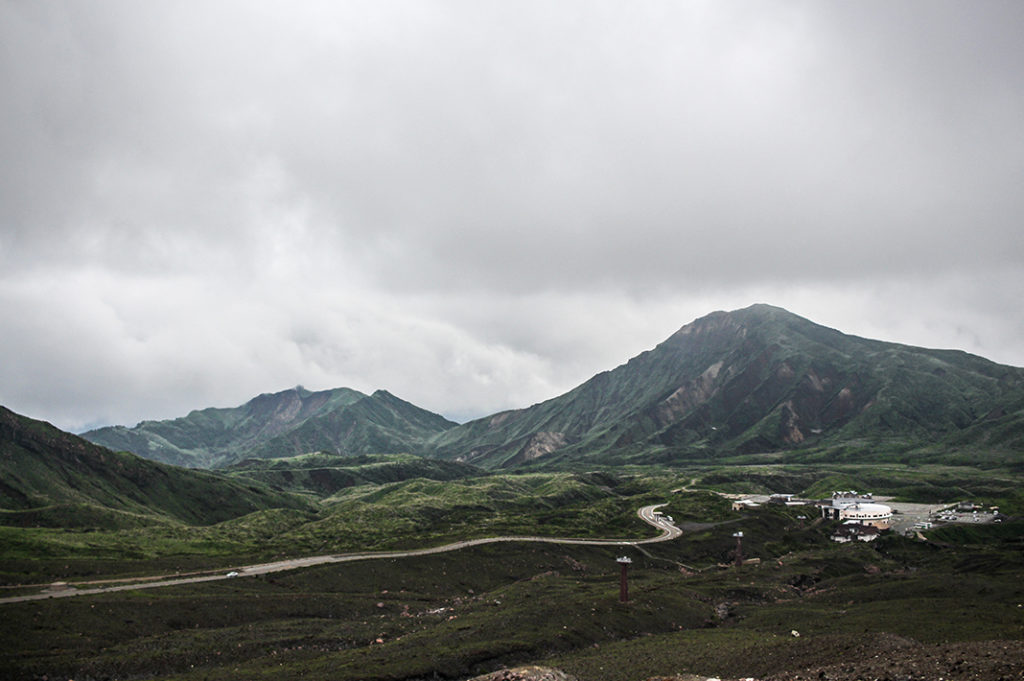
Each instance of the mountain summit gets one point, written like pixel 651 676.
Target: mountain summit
pixel 281 424
pixel 760 379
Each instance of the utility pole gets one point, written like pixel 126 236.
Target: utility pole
pixel 739 548
pixel 624 561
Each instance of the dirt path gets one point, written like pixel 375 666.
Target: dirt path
pixel 65 590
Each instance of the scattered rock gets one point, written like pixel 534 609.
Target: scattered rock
pixel 526 674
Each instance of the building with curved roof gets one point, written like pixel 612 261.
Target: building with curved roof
pixel 860 508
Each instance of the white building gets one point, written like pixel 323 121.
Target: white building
pixel 857 507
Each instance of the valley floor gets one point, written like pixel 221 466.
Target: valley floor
pixel 902 608
pixel 667 530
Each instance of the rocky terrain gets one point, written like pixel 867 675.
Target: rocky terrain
pixel 526 674
pixel 892 659
pixel 906 660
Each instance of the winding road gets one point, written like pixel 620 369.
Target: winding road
pixel 648 514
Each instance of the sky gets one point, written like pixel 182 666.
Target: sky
pixel 478 205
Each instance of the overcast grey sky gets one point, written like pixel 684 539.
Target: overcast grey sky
pixel 478 205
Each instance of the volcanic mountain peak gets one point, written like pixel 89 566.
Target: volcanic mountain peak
pixel 759 379
pixel 285 423
pixel 709 323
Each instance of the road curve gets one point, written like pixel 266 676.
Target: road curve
pixel 648 514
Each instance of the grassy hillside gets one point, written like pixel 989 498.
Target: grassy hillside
pixel 460 614
pixel 756 381
pixel 54 479
pixel 379 423
pixel 419 512
pixel 323 474
pixel 206 436
pixel 410 514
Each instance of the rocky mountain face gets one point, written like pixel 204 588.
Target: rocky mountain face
pixel 281 424
pixel 756 380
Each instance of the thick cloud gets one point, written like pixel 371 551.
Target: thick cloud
pixel 477 205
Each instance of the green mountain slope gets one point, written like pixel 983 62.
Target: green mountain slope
pixel 282 424
pixel 52 478
pixel 729 384
pixel 756 380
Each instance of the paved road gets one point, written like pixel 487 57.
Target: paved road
pixel 648 514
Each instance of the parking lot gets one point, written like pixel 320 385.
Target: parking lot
pixel 906 516
pixel 913 516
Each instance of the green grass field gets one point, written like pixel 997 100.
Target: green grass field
pixel 461 613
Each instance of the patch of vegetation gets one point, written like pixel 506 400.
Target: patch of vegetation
pixel 472 611
pixel 323 474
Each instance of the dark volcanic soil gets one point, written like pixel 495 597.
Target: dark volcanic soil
pixel 906 660
pixel 892 659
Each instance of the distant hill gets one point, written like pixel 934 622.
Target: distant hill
pixel 52 478
pixel 324 474
pixel 283 424
pixel 759 379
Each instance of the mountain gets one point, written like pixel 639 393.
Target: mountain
pixel 282 424
pixel 731 384
pixel 760 379
pixel 52 478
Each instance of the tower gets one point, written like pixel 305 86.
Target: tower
pixel 624 561
pixel 739 548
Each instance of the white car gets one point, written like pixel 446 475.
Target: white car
pixel 233 573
